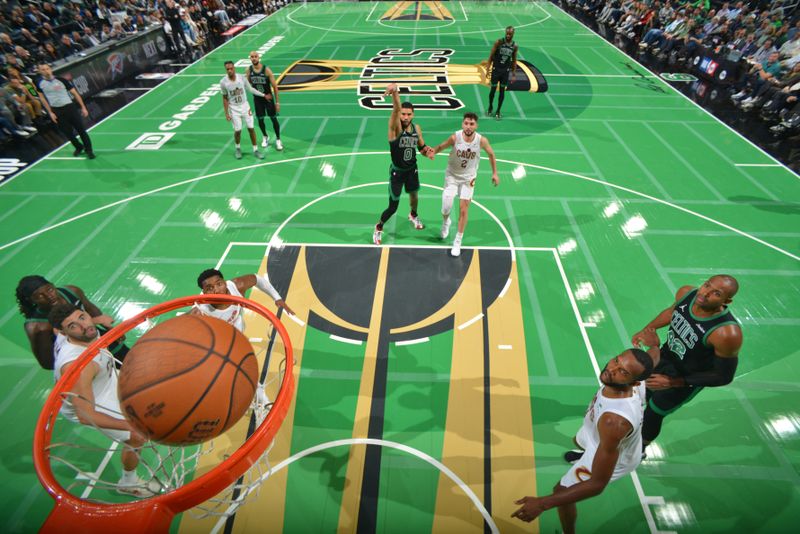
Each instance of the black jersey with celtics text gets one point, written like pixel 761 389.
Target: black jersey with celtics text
pixel 404 148
pixel 504 54
pixel 260 80
pixel 686 345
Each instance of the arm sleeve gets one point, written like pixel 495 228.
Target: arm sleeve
pixel 262 283
pixel 250 88
pixel 720 375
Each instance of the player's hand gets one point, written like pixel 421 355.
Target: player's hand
pixel 268 97
pixel 104 320
pixel 391 88
pixel 531 508
pixel 657 382
pixel 53 117
pixel 513 76
pixel 429 153
pixel 84 112
pixel 282 304
pixel 495 180
pixel 642 335
pixel 647 337
pixel 277 108
pixel 227 116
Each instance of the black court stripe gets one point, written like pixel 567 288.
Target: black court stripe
pixel 368 504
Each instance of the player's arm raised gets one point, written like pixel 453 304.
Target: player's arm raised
pixel 394 120
pixel 274 85
pixel 492 160
pixel 447 143
pixel 243 283
pixel 612 429
pixel 662 319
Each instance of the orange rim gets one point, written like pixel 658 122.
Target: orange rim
pixel 198 490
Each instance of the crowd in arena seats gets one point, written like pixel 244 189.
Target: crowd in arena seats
pixel 764 36
pixel 33 31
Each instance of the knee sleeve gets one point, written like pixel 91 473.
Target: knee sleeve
pixel 387 214
pixel 447 203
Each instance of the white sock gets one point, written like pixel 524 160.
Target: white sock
pixel 459 237
pixel 129 477
pixel 238 146
pixel 255 148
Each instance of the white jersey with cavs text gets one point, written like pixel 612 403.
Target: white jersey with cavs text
pixel 235 91
pixel 464 157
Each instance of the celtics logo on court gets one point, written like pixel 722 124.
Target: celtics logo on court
pixel 426 76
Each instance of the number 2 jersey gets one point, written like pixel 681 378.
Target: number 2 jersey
pixel 462 165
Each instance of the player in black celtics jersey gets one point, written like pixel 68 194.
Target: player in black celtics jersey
pixel 36 296
pixel 405 138
pixel 261 78
pixel 701 350
pixel 502 59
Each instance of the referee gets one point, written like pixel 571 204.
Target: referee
pixel 59 97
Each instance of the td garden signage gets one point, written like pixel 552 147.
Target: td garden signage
pixel 424 75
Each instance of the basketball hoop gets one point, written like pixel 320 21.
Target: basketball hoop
pixel 73 513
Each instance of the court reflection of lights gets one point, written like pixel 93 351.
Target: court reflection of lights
pixel 235 204
pixel 634 226
pixel 612 209
pixel 129 309
pixel 596 317
pixel 518 173
pixel 327 170
pixel 151 284
pixel 784 426
pixel 276 243
pixel 567 246
pixel 655 453
pixel 675 515
pixel 212 220
pixel 584 291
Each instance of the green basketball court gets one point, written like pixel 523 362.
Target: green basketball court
pixel 615 190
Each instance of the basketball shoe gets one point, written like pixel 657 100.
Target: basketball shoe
pixel 456 250
pixel 278 144
pixel 238 153
pixel 265 141
pixel 377 235
pixel 445 229
pixel 416 222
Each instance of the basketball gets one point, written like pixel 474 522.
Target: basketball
pixel 188 380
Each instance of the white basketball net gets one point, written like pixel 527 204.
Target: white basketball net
pixel 86 460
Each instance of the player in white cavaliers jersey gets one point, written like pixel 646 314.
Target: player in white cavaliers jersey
pixel 237 108
pixel 212 282
pixel 94 400
pixel 462 170
pixel 611 437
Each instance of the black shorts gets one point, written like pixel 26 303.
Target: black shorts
pixel 666 401
pixel 264 107
pixel 399 178
pixel 500 76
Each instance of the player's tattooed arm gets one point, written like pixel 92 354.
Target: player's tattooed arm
pixel 662 319
pixel 274 85
pixel 424 149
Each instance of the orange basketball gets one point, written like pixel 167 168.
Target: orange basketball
pixel 188 380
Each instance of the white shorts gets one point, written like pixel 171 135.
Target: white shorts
pixel 457 187
pixel 237 116
pixel 581 471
